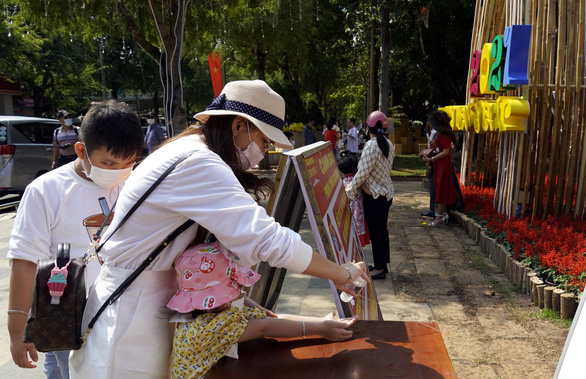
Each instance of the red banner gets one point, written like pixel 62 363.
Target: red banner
pixel 216 72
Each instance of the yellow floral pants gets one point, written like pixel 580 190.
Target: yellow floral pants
pixel 199 344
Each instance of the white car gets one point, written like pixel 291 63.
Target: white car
pixel 26 150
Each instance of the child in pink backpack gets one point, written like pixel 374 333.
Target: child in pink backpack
pixel 214 315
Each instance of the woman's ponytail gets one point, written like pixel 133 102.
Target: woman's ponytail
pixel 381 140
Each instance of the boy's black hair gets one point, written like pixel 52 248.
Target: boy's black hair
pixel 348 162
pixel 353 120
pixel 288 135
pixel 112 125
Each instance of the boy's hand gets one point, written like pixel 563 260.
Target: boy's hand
pixel 21 352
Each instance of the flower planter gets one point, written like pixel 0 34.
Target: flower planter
pixel 543 295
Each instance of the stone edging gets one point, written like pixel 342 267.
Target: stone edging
pixel 542 295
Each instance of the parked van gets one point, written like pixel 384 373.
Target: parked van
pixel 26 150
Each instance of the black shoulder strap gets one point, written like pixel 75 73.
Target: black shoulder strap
pixel 128 281
pixel 142 199
pixel 116 294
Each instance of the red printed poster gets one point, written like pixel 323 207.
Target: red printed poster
pixel 330 216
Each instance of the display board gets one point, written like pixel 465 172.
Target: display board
pixel 311 173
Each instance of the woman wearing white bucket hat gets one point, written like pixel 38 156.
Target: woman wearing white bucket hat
pixel 211 186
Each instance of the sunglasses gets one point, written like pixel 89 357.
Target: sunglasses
pixel 267 143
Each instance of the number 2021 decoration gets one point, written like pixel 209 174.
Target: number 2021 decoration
pixel 500 65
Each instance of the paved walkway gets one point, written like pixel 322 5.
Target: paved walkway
pixel 435 274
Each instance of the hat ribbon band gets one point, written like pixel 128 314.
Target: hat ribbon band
pixel 220 103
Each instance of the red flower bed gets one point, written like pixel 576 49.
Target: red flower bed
pixel 555 247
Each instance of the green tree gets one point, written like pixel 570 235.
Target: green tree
pixel 157 26
pixel 55 70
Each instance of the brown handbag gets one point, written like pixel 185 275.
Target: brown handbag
pixel 428 153
pixel 56 327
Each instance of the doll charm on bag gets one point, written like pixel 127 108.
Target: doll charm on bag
pixel 57 282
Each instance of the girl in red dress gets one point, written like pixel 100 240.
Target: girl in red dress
pixel 445 191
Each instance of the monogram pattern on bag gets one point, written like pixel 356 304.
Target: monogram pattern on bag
pixel 55 327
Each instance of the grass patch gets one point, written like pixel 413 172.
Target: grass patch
pixel 408 165
pixel 553 316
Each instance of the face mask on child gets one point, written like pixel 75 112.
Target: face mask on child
pixel 106 178
pixel 68 122
pixel 150 121
pixel 250 156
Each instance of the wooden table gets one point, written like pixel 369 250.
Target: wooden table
pixel 378 349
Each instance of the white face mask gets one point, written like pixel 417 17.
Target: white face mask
pixel 68 121
pixel 251 156
pixel 106 178
pixel 293 143
pixel 151 121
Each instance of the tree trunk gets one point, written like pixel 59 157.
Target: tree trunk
pixel 156 104
pixel 172 94
pixel 374 59
pixel 383 104
pixel 261 60
pixel 169 60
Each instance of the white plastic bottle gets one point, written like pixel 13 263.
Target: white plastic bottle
pixel 356 285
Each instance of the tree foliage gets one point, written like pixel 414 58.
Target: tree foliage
pixel 314 53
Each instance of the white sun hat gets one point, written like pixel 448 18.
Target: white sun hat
pixel 255 101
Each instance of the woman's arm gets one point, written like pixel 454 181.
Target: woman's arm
pixel 442 154
pixel 340 275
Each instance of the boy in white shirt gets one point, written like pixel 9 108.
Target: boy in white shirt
pixel 67 205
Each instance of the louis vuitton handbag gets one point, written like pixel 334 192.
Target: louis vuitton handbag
pixel 59 294
pixel 55 322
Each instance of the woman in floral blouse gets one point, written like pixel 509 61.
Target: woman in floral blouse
pixel 374 178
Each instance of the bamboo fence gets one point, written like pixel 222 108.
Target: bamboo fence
pixel 542 170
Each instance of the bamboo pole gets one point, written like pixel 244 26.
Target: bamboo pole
pixel 572 130
pixel 534 70
pixel 518 172
pixel 544 128
pixel 480 155
pixel 581 190
pixel 499 188
pixel 554 160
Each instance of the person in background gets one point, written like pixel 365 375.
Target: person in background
pixel 64 139
pixel 289 136
pixel 431 135
pixel 154 134
pixel 331 135
pixel 374 178
pixel 308 136
pixel 53 209
pixel 352 136
pixel 348 166
pixel 443 170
